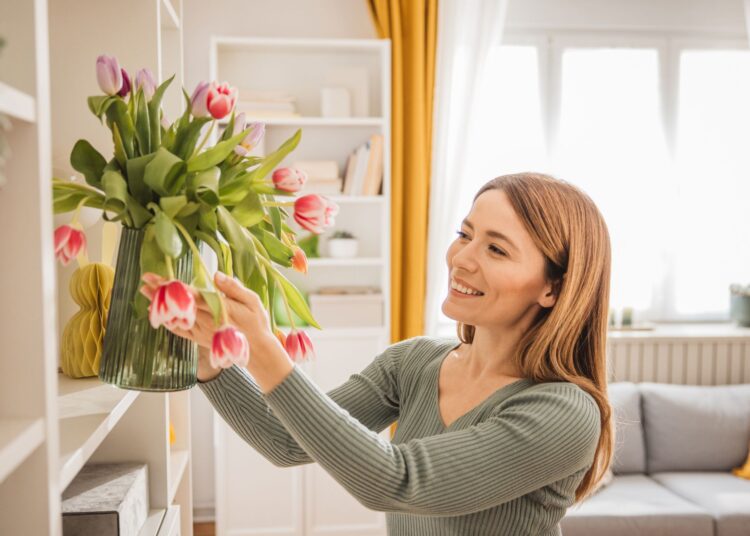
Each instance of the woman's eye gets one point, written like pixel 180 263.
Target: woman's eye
pixel 494 249
pixel 497 250
pixel 461 234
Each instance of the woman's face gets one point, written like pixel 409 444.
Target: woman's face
pixel 509 272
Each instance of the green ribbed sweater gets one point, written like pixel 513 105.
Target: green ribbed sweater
pixel 508 466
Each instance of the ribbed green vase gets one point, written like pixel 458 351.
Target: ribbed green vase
pixel 135 355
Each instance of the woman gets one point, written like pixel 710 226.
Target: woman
pixel 499 432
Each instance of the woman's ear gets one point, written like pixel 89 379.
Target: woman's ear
pixel 550 294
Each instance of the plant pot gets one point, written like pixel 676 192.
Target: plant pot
pixel 135 355
pixel 739 309
pixel 342 247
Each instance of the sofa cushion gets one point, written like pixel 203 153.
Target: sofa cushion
pixel 636 504
pixel 695 427
pixel 725 496
pixel 630 449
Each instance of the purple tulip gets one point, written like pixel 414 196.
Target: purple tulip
pixel 125 89
pixel 257 130
pixel 199 100
pixel 144 80
pixel 108 74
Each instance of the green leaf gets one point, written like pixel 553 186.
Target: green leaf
pixel 243 249
pixel 165 173
pixel 154 112
pixel 142 124
pixel 87 160
pixel 216 154
pixel 204 186
pixel 152 257
pixel 115 190
pixel 273 159
pixel 207 220
pixel 189 209
pixel 120 156
pixel 213 302
pixel 136 167
pixel 187 136
pixel 228 129
pixel 99 104
pixel 296 300
pixel 275 220
pixel 117 114
pixel 214 244
pixel 249 211
pixel 172 205
pixel 277 250
pixel 138 214
pixel 167 236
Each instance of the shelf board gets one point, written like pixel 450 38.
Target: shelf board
pixel 172 20
pixel 354 261
pixel 315 121
pixel 18 439
pixel 17 104
pixel 348 332
pixel 338 198
pixel 303 44
pixel 88 410
pixel 153 522
pixel 178 460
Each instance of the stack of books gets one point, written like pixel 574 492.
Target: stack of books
pixel 267 104
pixel 322 176
pixel 364 168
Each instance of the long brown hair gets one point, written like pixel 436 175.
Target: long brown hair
pixel 566 342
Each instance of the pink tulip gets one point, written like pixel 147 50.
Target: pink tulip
pixel 257 130
pixel 198 104
pixel 172 305
pixel 229 346
pixel 280 335
pixel 125 89
pixel 299 260
pixel 289 179
pixel 69 242
pixel 313 212
pixel 220 99
pixel 144 80
pixel 298 346
pixel 108 74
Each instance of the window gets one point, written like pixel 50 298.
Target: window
pixel 672 181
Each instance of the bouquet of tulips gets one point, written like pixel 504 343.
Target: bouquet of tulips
pixel 167 179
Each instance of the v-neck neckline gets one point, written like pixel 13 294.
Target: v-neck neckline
pixel 508 388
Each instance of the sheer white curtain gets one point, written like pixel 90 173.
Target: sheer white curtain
pixel 467 31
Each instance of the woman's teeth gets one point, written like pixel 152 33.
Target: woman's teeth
pixel 465 290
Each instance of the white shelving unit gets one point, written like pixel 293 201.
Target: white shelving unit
pixel 301 67
pixel 51 425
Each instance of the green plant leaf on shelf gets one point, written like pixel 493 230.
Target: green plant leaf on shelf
pixel 165 173
pixel 167 236
pixel 296 300
pixel 88 161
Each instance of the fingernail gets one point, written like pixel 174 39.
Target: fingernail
pixel 222 276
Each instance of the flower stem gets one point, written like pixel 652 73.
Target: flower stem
pixel 205 139
pixel 78 210
pixel 170 267
pixel 278 204
pixel 192 247
pixel 286 304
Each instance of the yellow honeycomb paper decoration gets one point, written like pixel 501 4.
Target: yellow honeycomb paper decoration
pixel 81 345
pixel 744 471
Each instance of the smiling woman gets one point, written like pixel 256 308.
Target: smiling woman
pixel 498 432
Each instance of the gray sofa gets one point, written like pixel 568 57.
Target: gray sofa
pixel 675 449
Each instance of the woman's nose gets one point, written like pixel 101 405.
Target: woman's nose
pixel 465 257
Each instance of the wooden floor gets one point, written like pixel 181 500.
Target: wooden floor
pixel 204 529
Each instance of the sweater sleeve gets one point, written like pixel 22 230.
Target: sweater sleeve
pixel 541 435
pixel 370 396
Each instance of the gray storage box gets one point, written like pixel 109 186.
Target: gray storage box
pixel 106 499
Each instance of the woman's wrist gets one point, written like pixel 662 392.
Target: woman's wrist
pixel 205 371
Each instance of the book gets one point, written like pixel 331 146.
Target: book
pixel 318 169
pixel 374 173
pixel 351 164
pixel 363 155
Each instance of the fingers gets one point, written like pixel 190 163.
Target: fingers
pixel 236 290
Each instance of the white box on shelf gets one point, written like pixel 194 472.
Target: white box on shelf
pixel 335 102
pixel 106 499
pixel 347 310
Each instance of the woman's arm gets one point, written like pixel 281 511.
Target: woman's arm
pixel 370 396
pixel 536 437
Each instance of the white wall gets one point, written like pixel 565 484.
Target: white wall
pixel 258 18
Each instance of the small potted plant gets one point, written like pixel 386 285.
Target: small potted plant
pixel 740 304
pixel 342 244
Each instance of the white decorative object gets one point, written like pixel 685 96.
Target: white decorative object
pixel 357 81
pixel 335 102
pixel 342 248
pixel 347 310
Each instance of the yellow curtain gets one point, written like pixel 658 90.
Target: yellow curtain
pixel 411 25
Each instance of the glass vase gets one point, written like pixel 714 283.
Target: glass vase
pixel 135 355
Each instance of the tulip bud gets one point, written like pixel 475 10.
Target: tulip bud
pixel 198 105
pixel 257 130
pixel 299 260
pixel 125 89
pixel 173 305
pixel 69 242
pixel 220 100
pixel 289 179
pixel 298 346
pixel 280 335
pixel 144 80
pixel 314 212
pixel 240 123
pixel 229 345
pixel 108 74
